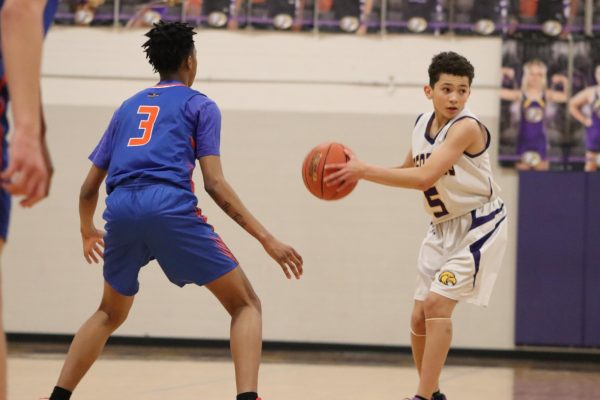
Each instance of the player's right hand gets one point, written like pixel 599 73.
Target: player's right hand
pixel 27 173
pixel 288 259
pixel 93 245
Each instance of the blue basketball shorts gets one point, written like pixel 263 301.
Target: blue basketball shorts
pixel 5 202
pixel 160 222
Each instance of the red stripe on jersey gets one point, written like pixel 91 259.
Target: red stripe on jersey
pixel 202 217
pixel 192 185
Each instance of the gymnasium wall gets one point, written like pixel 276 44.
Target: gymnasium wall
pixel 280 95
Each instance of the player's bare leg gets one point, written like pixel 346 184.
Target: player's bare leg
pixel 418 334
pixel 2 340
pixel 89 341
pixel 438 325
pixel 235 292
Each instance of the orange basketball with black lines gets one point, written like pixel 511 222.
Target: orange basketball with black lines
pixel 313 170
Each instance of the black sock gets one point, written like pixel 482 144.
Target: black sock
pixel 435 394
pixel 249 396
pixel 60 394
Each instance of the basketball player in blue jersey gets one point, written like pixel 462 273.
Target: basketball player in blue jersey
pixel 147 156
pixel 464 245
pixel 585 108
pixel 27 172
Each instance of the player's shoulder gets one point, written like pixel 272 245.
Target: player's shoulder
pixel 467 124
pixel 199 101
pixel 423 118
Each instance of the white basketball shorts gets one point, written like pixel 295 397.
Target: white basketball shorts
pixel 460 258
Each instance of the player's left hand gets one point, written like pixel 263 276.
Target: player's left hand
pixel 93 245
pixel 345 174
pixel 27 174
pixel 286 256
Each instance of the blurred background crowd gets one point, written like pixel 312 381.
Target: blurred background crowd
pixel 549 98
pixel 479 17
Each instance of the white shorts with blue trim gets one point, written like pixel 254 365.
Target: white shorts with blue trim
pixel 460 258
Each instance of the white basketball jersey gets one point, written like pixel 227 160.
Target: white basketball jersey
pixel 467 185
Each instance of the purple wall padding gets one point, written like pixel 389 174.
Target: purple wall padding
pixel 550 259
pixel 592 263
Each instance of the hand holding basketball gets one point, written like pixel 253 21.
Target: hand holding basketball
pixel 344 175
pixel 316 168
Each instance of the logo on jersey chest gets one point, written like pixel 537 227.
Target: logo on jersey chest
pixel 419 161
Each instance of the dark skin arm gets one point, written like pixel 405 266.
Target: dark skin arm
pixel 93 238
pixel 223 194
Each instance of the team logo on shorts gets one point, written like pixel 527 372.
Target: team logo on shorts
pixel 447 278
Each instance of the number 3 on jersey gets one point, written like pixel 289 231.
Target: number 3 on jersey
pixel 147 125
pixel 434 201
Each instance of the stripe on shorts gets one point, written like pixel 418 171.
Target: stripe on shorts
pixel 475 247
pixel 478 221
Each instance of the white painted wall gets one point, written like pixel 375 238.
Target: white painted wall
pixel 360 252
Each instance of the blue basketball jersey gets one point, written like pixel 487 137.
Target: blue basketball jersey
pixel 149 151
pixel 156 136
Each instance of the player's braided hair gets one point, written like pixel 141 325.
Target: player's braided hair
pixel 451 63
pixel 168 45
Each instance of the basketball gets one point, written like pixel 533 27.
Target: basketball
pixel 313 170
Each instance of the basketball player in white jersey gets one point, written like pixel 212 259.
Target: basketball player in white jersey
pixel 463 248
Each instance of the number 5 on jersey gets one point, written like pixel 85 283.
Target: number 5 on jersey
pixel 434 201
pixel 147 125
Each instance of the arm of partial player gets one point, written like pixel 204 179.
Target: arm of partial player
pixel 464 135
pixel 92 238
pixel 223 194
pixel 22 35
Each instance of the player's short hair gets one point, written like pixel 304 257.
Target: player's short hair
pixel 168 45
pixel 450 63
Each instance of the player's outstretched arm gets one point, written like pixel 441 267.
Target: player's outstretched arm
pixel 464 135
pixel 22 34
pixel 92 238
pixel 224 195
